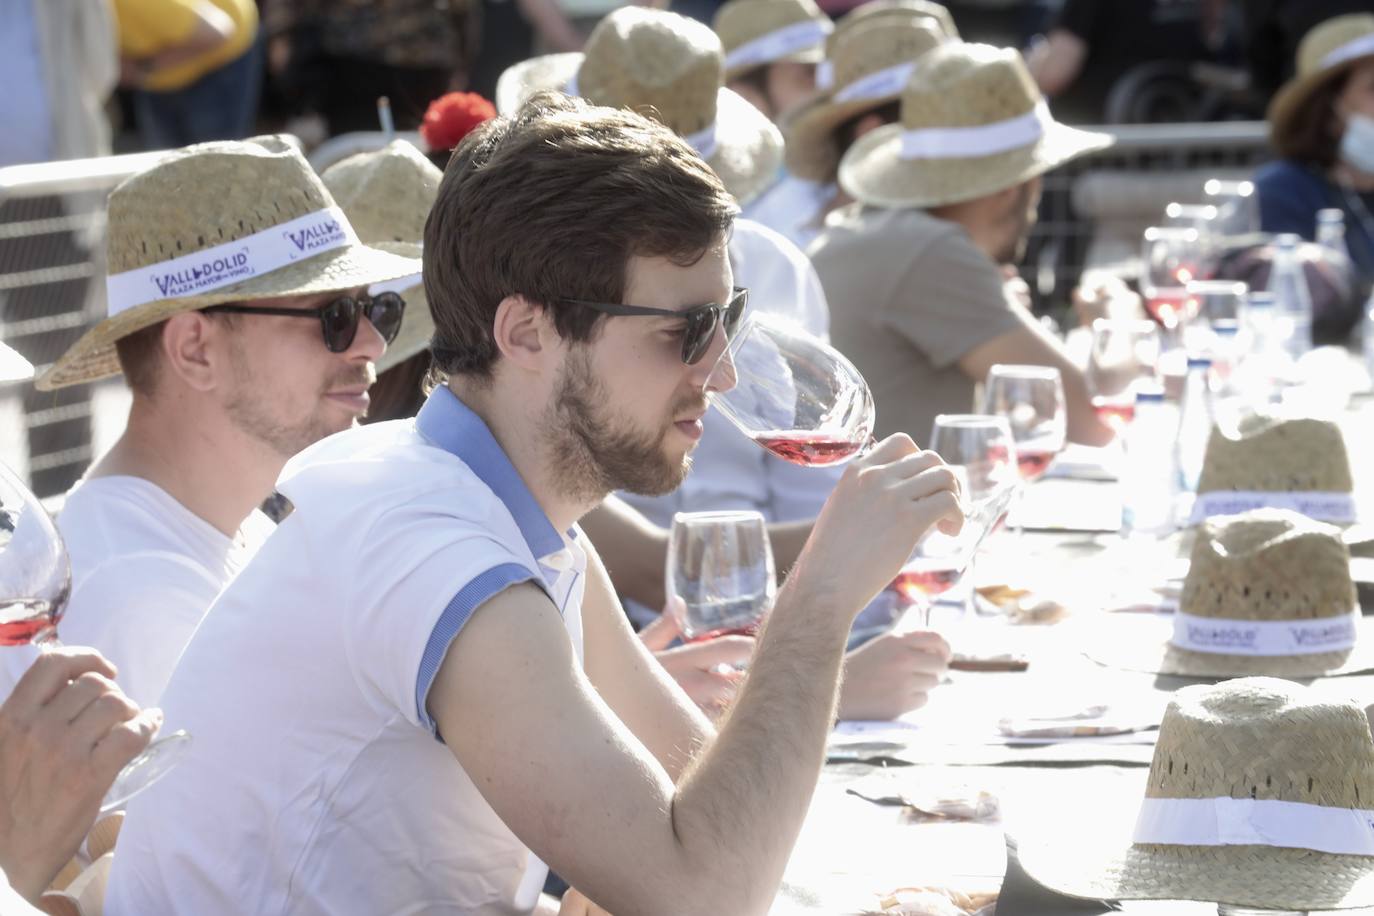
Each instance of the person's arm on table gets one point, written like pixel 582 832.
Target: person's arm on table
pixel 65 733
pixel 576 785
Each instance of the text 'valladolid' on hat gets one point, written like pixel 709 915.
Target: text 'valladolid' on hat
pixel 1261 460
pixel 973 123
pixel 214 223
pixel 387 196
pixel 1260 794
pixel 756 33
pixel 869 63
pixel 1267 592
pixel 1325 53
pixel 670 68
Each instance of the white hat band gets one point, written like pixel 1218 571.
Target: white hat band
pixel 825 75
pixel 1255 822
pixel 232 262
pixel 982 140
pixel 1327 507
pixel 889 81
pixel 1358 47
pixel 703 141
pixel 779 43
pixel 1230 636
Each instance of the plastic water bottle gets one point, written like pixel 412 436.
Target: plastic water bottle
pixel 1331 231
pixel 1292 297
pixel 1194 422
pixel 1149 480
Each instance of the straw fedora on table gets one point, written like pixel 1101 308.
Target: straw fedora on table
pixel 1298 464
pixel 973 123
pixel 1268 592
pixel 867 66
pixel 1260 793
pixel 670 68
pixel 1325 53
pixel 214 223
pixel 756 33
pixel 387 196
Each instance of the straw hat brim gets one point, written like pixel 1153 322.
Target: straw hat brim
pixel 1295 95
pixel 93 356
pixel 802 56
pixel 13 366
pixel 1082 862
pixel 812 151
pixel 873 171
pixel 417 329
pixel 1141 643
pixel 749 147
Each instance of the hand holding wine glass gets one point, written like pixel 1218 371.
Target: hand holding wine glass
pixel 35 581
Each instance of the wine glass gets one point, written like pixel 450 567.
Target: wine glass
pixel 1124 354
pixel 792 393
pixel 980 449
pixel 35 582
pixel 1237 207
pixel 721 566
pixel 1171 258
pixel 1032 400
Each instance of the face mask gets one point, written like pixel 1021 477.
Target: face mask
pixel 1357 144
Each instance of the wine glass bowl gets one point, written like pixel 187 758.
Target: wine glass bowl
pixel 792 393
pixel 1123 356
pixel 1032 400
pixel 721 565
pixel 1171 258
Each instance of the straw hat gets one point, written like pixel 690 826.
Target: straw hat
pixel 387 196
pixel 1260 794
pixel 903 9
pixel 756 33
pixel 973 123
pixel 1267 592
pixel 670 68
pixel 867 65
pixel 1267 461
pixel 1325 53
pixel 212 223
pixel 13 366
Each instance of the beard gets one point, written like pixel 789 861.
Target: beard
pixel 249 408
pixel 1022 219
pixel 594 451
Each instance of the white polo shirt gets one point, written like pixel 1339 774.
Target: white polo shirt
pixel 316 782
pixel 795 207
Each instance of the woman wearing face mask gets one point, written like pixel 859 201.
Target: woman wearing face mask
pixel 1322 125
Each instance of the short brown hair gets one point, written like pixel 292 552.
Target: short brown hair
pixel 551 204
pixel 1312 137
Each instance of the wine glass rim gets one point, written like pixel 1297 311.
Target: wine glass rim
pixel 1156 233
pixel 1175 209
pixel 1211 287
pixel 970 419
pixel 1023 370
pixel 1125 324
pixel 718 515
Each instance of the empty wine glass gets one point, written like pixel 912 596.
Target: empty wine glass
pixel 1123 356
pixel 35 582
pixel 1171 258
pixel 1237 207
pixel 792 393
pixel 721 565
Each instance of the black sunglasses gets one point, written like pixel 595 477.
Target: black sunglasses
pixel 701 320
pixel 338 318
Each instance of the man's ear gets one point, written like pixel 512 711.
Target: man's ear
pixel 192 348
pixel 524 332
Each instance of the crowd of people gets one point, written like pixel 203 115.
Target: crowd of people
pixel 386 529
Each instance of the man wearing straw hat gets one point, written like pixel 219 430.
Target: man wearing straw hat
pixel 442 689
pixel 771 51
pixel 237 316
pixel 869 58
pixel 945 197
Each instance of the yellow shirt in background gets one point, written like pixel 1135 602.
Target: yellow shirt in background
pixel 148 27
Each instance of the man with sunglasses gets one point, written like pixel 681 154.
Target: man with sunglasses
pixel 239 317
pixel 423 688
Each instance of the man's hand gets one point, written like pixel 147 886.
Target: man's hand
pixel 707 671
pixel 1103 295
pixel 65 733
pixel 892 674
pixel 574 904
pixel 885 502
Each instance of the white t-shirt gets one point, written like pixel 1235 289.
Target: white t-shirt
pixel 144 571
pixel 315 783
pixel 794 207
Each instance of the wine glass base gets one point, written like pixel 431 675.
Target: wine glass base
pixel 145 769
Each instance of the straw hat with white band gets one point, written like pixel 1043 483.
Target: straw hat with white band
pixel 973 123
pixel 756 33
pixel 1299 464
pixel 213 223
pixel 1261 793
pixel 670 68
pixel 387 196
pixel 1325 53
pixel 1267 592
pixel 869 63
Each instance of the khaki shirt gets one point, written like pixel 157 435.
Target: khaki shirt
pixel 909 296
